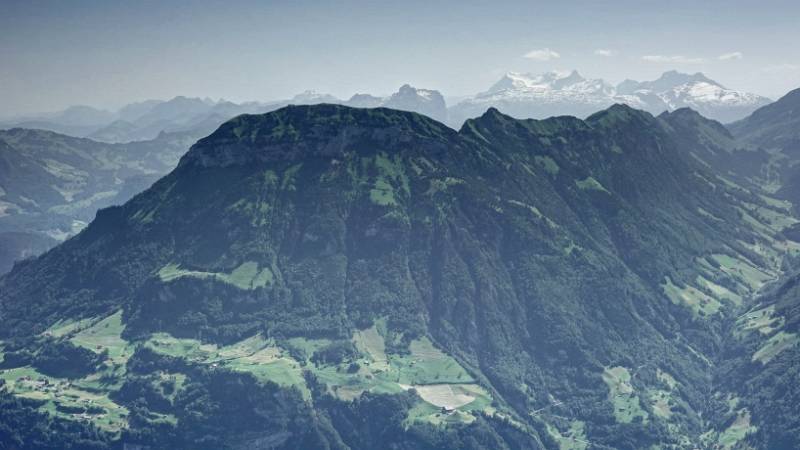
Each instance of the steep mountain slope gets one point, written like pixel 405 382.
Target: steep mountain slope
pixel 52 184
pixel 759 378
pixel 19 245
pixel 774 126
pixel 714 147
pixel 775 129
pixel 516 284
pixel 568 93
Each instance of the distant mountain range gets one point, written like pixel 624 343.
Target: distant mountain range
pixel 146 120
pixel 52 184
pixel 517 94
pixel 568 93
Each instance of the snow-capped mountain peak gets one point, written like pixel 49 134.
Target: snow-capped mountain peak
pixel 679 90
pixel 567 92
pixel 407 90
pixel 555 79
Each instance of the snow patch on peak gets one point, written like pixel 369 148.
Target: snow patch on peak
pixel 555 85
pixel 527 81
pixel 695 93
pixel 310 96
pixel 408 91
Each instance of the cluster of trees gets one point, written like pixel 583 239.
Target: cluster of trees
pixel 55 357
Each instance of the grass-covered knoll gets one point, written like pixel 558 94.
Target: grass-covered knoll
pixel 737 430
pixel 738 275
pixel 623 396
pixel 306 346
pixel 424 412
pixel 452 396
pixel 748 273
pixel 390 181
pixel 591 184
pixel 423 365
pixel 371 343
pixel 548 164
pixel 427 365
pixel 764 320
pixel 450 403
pixel 701 304
pixel 664 398
pixel 245 276
pixel 573 437
pixel 102 336
pixel 718 291
pixel 258 211
pixel 443 184
pixel 775 345
pixel 105 335
pixel 666 378
pixel 661 403
pixel 776 218
pixel 65 327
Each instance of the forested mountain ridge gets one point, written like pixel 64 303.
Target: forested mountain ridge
pixel 516 284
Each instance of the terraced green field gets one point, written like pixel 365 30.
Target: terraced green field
pixel 82 399
pixel 447 392
pixel 436 377
pixel 699 302
pixel 255 355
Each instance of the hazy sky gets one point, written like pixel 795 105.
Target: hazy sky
pixel 106 53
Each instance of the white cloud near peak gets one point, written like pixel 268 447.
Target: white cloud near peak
pixel 605 52
pixel 543 54
pixel 730 56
